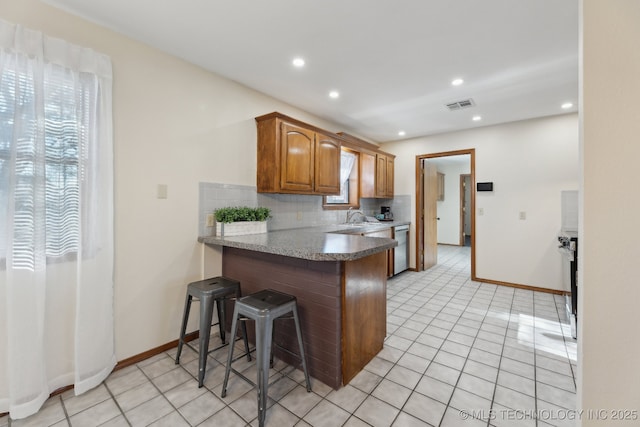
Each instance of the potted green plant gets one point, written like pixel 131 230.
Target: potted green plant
pixel 240 220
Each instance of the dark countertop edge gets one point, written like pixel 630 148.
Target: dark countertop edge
pixel 304 253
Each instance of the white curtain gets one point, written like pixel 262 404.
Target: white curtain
pixel 347 160
pixel 56 219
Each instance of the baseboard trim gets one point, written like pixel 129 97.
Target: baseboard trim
pixel 514 285
pixel 154 351
pixel 518 286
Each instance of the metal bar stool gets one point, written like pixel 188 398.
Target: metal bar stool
pixel 264 307
pixel 209 291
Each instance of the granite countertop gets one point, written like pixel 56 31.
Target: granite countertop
pixel 341 242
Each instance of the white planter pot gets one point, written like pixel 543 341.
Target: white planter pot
pixel 240 228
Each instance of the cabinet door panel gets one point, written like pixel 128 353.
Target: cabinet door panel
pixel 381 175
pixel 327 165
pixel 389 183
pixel 298 158
pixel 367 175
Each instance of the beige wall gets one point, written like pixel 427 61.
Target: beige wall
pixel 530 163
pixel 608 341
pixel 175 124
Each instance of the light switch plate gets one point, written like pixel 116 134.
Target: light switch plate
pixel 162 191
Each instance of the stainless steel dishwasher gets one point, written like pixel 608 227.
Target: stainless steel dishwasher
pixel 401 252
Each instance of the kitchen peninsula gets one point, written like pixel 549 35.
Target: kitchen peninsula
pixel 339 279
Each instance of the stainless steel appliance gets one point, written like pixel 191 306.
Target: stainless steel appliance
pixel 401 252
pixel 569 249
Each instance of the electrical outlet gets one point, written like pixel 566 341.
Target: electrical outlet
pixel 523 215
pixel 210 219
pixel 480 211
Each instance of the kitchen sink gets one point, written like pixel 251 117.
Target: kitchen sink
pixel 358 227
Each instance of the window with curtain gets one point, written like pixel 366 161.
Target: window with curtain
pixel 51 170
pixel 56 218
pixel 348 196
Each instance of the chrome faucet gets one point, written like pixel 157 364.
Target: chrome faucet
pixel 351 212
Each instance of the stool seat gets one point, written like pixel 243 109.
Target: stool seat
pixel 214 286
pixel 266 301
pixel 264 307
pixel 210 292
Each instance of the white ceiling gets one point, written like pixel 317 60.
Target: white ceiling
pixel 391 61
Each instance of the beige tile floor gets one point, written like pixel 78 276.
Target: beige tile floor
pixel 458 353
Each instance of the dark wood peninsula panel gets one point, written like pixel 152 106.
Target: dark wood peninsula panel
pixel 342 307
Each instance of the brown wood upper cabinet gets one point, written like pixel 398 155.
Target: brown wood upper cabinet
pixel 327 164
pixel 384 176
pixel 294 157
pixel 367 174
pixel 390 175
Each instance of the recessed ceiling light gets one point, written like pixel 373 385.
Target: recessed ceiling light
pixel 476 118
pixel 402 133
pixel 457 82
pixel 566 105
pixel 298 62
pixel 334 94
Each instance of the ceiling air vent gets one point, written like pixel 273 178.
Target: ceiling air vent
pixel 459 105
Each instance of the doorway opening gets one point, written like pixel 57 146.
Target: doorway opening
pixel 434 208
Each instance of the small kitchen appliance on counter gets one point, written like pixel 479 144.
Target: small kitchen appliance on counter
pixel 386 213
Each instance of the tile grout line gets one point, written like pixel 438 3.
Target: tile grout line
pixel 159 391
pixel 117 404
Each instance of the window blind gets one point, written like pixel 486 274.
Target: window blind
pixel 36 151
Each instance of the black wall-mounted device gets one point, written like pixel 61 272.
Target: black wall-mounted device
pixel 484 186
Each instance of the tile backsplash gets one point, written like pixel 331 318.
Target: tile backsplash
pixel 287 210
